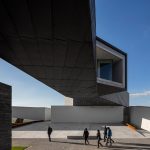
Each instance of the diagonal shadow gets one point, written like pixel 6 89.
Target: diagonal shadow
pixel 69 142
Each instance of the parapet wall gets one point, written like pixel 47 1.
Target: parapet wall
pixel 140 117
pixel 87 114
pixel 33 113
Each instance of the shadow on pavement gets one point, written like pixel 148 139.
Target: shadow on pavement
pixel 69 142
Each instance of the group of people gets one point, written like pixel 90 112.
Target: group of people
pixel 107 136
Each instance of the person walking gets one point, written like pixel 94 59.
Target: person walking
pixel 105 133
pixel 49 131
pixel 109 139
pixel 99 139
pixel 86 136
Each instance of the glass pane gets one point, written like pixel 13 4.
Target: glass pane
pixel 106 71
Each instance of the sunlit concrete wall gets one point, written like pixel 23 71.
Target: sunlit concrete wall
pixel 33 113
pixel 47 114
pixel 87 114
pixel 68 101
pixel 140 117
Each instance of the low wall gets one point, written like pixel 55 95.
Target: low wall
pixel 47 114
pixel 5 117
pixel 33 113
pixel 87 114
pixel 140 117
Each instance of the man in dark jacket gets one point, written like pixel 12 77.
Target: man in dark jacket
pixel 49 131
pixel 109 134
pixel 86 135
pixel 105 133
pixel 98 139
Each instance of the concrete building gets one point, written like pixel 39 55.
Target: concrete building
pixel 55 42
pixel 59 47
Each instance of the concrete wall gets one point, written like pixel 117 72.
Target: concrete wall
pixel 117 71
pixel 5 117
pixel 68 101
pixel 87 114
pixel 47 114
pixel 121 98
pixel 140 117
pixel 33 113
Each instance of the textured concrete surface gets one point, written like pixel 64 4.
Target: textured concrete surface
pixel 64 130
pixel 121 98
pixel 51 42
pixel 140 117
pixel 62 144
pixel 87 114
pixel 118 98
pixel 32 113
pixel 5 117
pixel 56 46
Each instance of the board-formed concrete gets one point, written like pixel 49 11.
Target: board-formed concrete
pixel 5 117
pixel 121 98
pixel 115 99
pixel 57 46
pixel 53 41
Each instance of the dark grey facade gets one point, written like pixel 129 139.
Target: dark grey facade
pixel 55 42
pixel 5 117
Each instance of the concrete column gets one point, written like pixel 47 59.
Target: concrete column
pixel 126 115
pixel 5 117
pixel 68 101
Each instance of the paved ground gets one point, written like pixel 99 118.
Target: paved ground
pixel 65 130
pixel 35 136
pixel 64 144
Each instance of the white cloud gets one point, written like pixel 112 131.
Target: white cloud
pixel 140 94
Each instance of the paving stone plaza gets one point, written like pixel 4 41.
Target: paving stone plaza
pixel 64 144
pixel 68 136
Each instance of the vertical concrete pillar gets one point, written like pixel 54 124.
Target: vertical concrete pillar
pixel 126 115
pixel 68 101
pixel 5 117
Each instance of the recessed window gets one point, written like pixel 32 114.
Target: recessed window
pixel 104 70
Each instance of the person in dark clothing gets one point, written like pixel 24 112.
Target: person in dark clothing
pixel 105 133
pixel 49 132
pixel 109 134
pixel 99 138
pixel 86 135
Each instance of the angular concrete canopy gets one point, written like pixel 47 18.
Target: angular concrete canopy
pixel 55 42
pixel 52 41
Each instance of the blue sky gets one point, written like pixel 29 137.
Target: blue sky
pixel 123 23
pixel 126 25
